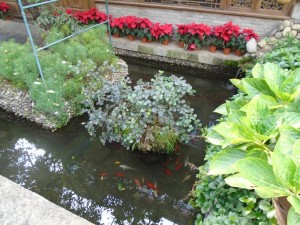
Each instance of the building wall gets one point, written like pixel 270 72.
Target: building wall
pixel 262 26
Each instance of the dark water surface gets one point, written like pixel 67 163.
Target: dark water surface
pixel 89 179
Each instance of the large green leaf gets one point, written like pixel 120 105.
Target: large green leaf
pixel 296 152
pixel 223 162
pixel 238 181
pixel 221 109
pixel 258 71
pixel 291 118
pixel 291 84
pixel 284 168
pixel 214 138
pixel 257 152
pixel 254 86
pixel 259 111
pixel 260 174
pixel 293 217
pixel 295 201
pixel 288 137
pixel 233 133
pixel 239 84
pixel 274 76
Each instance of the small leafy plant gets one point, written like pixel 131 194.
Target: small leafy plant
pixel 152 116
pixel 4 10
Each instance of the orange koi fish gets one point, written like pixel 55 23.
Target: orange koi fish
pixel 151 185
pixel 137 182
pixel 117 163
pixel 168 172
pixel 119 174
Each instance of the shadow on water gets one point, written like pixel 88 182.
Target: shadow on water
pixel 108 184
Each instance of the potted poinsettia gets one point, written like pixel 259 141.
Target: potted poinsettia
pixel 214 39
pixel 144 29
pixel 117 27
pixel 228 32
pixel 182 34
pixel 239 44
pixel 199 34
pixel 162 32
pixel 131 27
pixel 4 10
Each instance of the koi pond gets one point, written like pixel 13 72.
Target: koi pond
pixel 109 184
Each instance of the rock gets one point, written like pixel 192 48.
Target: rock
pixel 267 48
pixel 281 27
pixel 278 35
pixel 287 23
pixel 296 27
pixel 262 43
pixel 251 46
pixel 273 32
pixel 293 33
pixel 286 31
pixel 272 41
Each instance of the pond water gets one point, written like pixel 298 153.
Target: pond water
pixel 108 184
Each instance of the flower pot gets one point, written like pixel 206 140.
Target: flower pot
pixel 212 48
pixel 131 37
pixel 144 40
pixel 238 52
pixel 282 207
pixel 181 44
pixel 226 51
pixel 116 35
pixel 165 42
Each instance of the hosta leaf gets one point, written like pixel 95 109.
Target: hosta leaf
pixel 284 168
pixel 255 86
pixel 257 153
pixel 258 71
pixel 233 133
pixel 239 181
pixel 291 84
pixel 274 76
pixel 221 109
pixel 239 84
pixel 260 174
pixel 223 162
pixel 288 137
pixel 293 217
pixel 214 138
pixel 295 201
pixel 291 118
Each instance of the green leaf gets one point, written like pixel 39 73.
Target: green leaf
pixel 254 86
pixel 296 152
pixel 239 84
pixel 293 217
pixel 257 71
pixel 288 137
pixel 291 84
pixel 274 76
pixel 260 174
pixel 221 109
pixel 239 181
pixel 291 118
pixel 295 201
pixel 223 162
pixel 284 168
pixel 256 152
pixel 214 138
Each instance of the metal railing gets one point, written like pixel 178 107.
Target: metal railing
pixel 35 51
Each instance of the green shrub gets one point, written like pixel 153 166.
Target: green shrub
pixel 152 116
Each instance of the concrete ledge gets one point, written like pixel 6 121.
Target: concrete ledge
pixel 19 206
pixel 173 51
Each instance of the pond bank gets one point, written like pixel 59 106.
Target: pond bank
pixel 28 207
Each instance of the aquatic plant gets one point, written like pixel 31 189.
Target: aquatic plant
pixel 151 116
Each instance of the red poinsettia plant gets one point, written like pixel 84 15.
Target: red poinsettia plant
pixel 118 26
pixel 249 33
pixel 144 28
pixel 131 25
pixel 227 32
pixel 4 9
pixel 199 34
pixel 88 17
pixel 162 32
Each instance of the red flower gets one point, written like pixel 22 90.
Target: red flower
pixel 249 33
pixel 161 30
pixel 90 16
pixel 69 11
pixel 4 7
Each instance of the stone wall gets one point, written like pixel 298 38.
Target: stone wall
pixel 261 26
pixel 287 28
